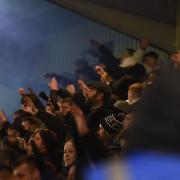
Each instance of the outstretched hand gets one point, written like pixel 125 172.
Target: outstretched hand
pixel 103 75
pixel 83 87
pixel 53 84
pixel 99 69
pixel 71 89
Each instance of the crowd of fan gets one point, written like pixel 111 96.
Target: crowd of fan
pixel 83 124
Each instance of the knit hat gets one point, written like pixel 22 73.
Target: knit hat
pixel 112 122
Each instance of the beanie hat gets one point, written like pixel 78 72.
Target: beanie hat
pixel 112 122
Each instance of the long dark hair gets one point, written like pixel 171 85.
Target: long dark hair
pixel 49 140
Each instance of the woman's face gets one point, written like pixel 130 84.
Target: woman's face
pixel 39 142
pixel 69 154
pixel 64 108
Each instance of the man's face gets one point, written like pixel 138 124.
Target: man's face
pixel 129 119
pixel 25 172
pixel 152 62
pixel 64 108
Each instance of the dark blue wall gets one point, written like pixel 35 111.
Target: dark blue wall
pixel 26 27
pixel 38 37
